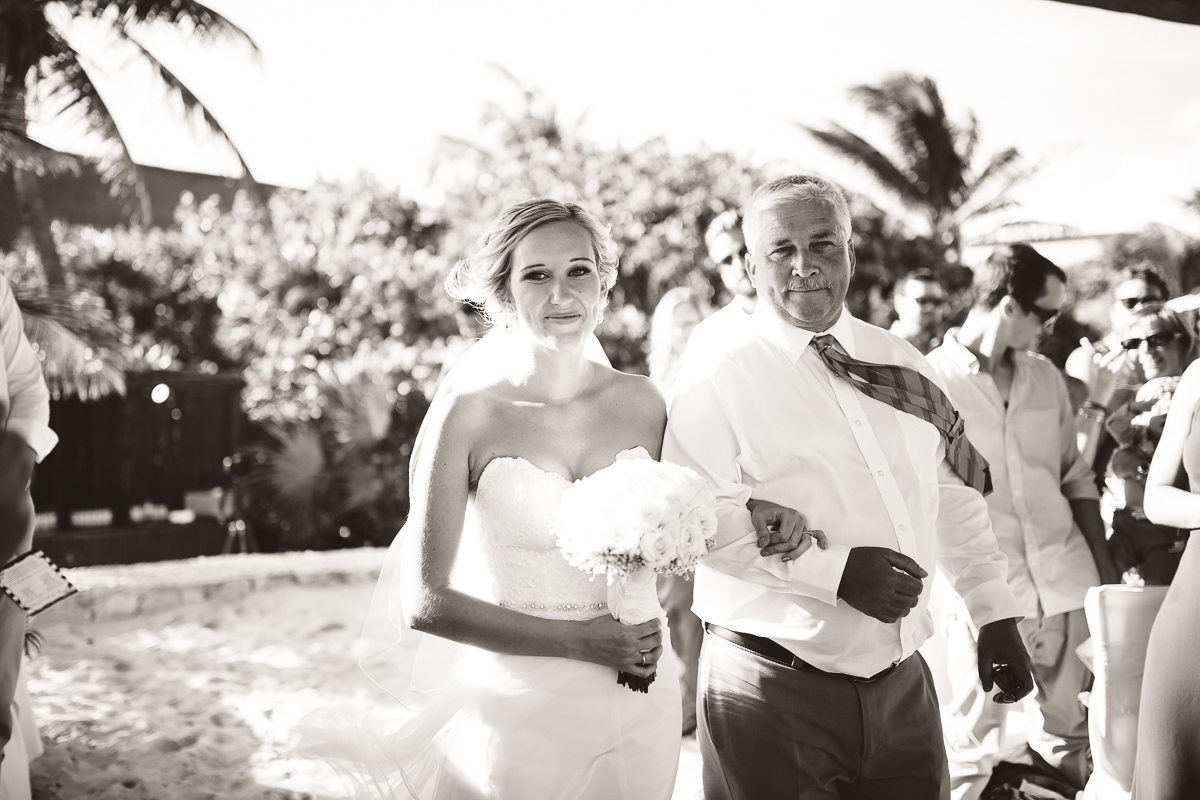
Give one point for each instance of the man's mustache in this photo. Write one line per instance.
(808, 284)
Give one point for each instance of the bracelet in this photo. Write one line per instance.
(1091, 414)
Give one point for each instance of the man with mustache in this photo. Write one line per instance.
(810, 683)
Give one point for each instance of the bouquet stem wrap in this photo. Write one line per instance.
(633, 600)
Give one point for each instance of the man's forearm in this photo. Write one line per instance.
(16, 469)
(1087, 517)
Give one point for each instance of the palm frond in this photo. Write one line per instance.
(1004, 160)
(69, 84)
(20, 152)
(922, 133)
(1003, 173)
(191, 104)
(77, 343)
(202, 21)
(294, 473)
(879, 165)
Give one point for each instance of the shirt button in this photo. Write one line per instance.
(879, 472)
(903, 528)
(858, 422)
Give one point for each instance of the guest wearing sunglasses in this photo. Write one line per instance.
(1105, 365)
(1044, 511)
(1161, 344)
(1134, 288)
(920, 303)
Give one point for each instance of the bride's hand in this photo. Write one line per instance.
(613, 644)
(783, 530)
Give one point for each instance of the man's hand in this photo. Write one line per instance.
(782, 530)
(1004, 662)
(881, 583)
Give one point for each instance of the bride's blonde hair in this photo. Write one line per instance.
(482, 279)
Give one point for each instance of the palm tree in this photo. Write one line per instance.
(933, 170)
(77, 342)
(35, 54)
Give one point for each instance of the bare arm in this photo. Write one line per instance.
(1164, 503)
(439, 493)
(1107, 371)
(16, 505)
(1079, 487)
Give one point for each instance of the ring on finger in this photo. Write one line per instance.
(643, 652)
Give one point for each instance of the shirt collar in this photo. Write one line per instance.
(958, 354)
(794, 341)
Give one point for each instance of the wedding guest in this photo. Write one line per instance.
(1162, 344)
(727, 248)
(678, 312)
(675, 317)
(1134, 288)
(1168, 749)
(1045, 512)
(1104, 365)
(920, 303)
(25, 439)
(810, 680)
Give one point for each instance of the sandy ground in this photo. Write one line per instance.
(201, 700)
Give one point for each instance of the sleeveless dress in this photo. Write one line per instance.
(525, 727)
(1168, 752)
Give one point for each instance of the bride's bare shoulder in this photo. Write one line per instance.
(637, 393)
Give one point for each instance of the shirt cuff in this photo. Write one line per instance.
(36, 434)
(992, 601)
(818, 573)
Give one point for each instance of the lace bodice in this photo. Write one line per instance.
(515, 502)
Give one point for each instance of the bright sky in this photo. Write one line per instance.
(1108, 103)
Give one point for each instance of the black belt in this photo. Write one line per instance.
(774, 651)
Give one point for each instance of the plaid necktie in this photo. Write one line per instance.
(911, 392)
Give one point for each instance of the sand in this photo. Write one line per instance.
(201, 700)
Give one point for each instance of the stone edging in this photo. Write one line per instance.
(129, 590)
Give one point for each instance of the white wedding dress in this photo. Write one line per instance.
(519, 727)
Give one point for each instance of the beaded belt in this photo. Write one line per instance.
(553, 606)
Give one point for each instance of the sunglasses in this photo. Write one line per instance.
(1133, 302)
(1154, 340)
(931, 302)
(1048, 316)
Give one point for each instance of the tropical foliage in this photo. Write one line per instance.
(933, 167)
(658, 202)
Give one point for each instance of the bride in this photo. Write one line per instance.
(531, 707)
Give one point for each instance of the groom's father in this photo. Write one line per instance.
(810, 683)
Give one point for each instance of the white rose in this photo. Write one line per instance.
(706, 517)
(691, 540)
(676, 493)
(658, 549)
(653, 512)
(622, 538)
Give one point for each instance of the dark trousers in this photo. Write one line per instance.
(1155, 550)
(771, 732)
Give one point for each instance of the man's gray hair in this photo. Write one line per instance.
(795, 188)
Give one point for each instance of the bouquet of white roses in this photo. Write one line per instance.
(629, 521)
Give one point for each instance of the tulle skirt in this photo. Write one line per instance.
(514, 728)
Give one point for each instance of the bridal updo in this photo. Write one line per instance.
(482, 279)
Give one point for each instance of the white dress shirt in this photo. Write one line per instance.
(1036, 471)
(24, 400)
(765, 418)
(711, 333)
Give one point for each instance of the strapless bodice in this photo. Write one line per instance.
(515, 502)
